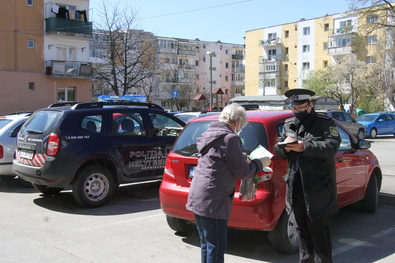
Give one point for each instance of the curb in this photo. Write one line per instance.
(386, 199)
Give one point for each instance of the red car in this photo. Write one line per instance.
(358, 176)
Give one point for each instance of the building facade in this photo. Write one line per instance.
(279, 57)
(44, 54)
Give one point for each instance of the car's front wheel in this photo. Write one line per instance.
(361, 134)
(47, 190)
(284, 238)
(369, 203)
(373, 133)
(93, 186)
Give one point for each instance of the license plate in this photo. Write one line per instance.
(26, 155)
(191, 171)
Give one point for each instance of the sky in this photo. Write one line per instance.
(224, 20)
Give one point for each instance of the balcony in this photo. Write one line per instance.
(270, 42)
(339, 51)
(54, 25)
(186, 66)
(237, 57)
(68, 69)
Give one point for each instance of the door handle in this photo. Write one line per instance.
(339, 159)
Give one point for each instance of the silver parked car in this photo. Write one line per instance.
(351, 124)
(9, 128)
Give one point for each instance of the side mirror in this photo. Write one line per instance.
(363, 144)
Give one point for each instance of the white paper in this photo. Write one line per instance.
(260, 152)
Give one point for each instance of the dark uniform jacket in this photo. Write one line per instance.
(321, 141)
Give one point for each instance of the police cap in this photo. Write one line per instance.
(299, 96)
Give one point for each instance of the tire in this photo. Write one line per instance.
(361, 134)
(373, 133)
(370, 201)
(177, 224)
(47, 190)
(284, 238)
(25, 183)
(93, 186)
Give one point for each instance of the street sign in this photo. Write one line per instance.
(174, 93)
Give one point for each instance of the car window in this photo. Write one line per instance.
(366, 118)
(16, 130)
(391, 117)
(186, 117)
(347, 117)
(345, 144)
(251, 136)
(92, 123)
(338, 116)
(4, 122)
(129, 123)
(164, 125)
(41, 121)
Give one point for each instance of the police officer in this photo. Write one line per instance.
(310, 141)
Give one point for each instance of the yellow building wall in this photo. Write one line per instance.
(321, 37)
(253, 51)
(290, 60)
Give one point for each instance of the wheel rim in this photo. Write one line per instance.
(96, 187)
(373, 133)
(361, 135)
(291, 229)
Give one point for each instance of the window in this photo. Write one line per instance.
(370, 60)
(286, 51)
(326, 27)
(197, 62)
(214, 68)
(197, 76)
(272, 36)
(372, 19)
(306, 31)
(92, 123)
(226, 78)
(325, 63)
(326, 45)
(226, 65)
(306, 48)
(286, 67)
(29, 3)
(226, 51)
(306, 65)
(372, 39)
(286, 84)
(66, 94)
(286, 33)
(31, 86)
(30, 43)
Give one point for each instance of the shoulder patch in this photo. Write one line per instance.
(333, 131)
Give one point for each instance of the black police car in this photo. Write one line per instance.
(94, 147)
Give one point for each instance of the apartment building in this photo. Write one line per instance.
(44, 53)
(279, 57)
(186, 72)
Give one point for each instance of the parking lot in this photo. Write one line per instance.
(132, 228)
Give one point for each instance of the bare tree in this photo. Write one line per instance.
(125, 54)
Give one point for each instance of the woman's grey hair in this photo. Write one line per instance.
(234, 112)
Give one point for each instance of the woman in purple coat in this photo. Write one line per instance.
(221, 162)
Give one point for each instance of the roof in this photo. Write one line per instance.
(259, 98)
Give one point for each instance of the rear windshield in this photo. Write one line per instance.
(41, 121)
(252, 135)
(4, 122)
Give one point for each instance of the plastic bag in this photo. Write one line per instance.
(248, 189)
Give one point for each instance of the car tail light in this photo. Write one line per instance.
(266, 174)
(1, 151)
(53, 144)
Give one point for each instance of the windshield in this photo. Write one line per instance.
(41, 121)
(366, 118)
(252, 135)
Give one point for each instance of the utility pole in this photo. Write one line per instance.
(211, 54)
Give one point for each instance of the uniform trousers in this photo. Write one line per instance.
(313, 234)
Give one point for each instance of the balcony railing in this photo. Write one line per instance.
(269, 66)
(337, 51)
(186, 66)
(270, 42)
(237, 57)
(68, 69)
(54, 24)
(263, 59)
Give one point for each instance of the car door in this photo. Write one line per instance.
(351, 123)
(382, 125)
(351, 169)
(391, 121)
(134, 148)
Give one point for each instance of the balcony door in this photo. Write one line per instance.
(65, 53)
